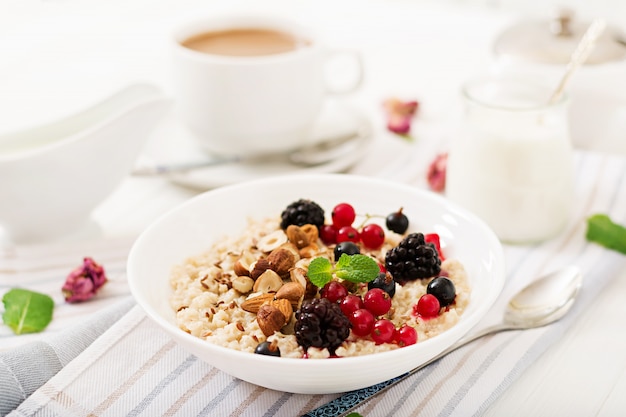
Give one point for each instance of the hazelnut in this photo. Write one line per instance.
(292, 292)
(271, 241)
(268, 281)
(270, 319)
(281, 261)
(311, 231)
(242, 284)
(258, 267)
(297, 236)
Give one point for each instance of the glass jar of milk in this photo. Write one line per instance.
(511, 164)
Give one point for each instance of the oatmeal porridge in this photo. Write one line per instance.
(256, 290)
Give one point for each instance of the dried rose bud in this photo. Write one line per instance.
(400, 115)
(436, 175)
(84, 282)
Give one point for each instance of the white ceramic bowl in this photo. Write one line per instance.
(190, 229)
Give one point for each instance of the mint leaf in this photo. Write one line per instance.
(27, 311)
(602, 230)
(320, 272)
(356, 268)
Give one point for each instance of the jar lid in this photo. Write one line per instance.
(553, 41)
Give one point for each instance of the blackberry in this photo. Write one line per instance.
(321, 324)
(413, 259)
(302, 212)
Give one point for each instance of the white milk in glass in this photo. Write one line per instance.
(512, 162)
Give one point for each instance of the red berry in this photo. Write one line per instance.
(328, 234)
(427, 307)
(377, 301)
(350, 304)
(434, 239)
(348, 234)
(383, 331)
(334, 291)
(343, 215)
(362, 322)
(372, 236)
(405, 336)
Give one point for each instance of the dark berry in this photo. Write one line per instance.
(372, 236)
(385, 282)
(343, 215)
(443, 289)
(349, 248)
(267, 348)
(302, 212)
(321, 324)
(397, 222)
(412, 259)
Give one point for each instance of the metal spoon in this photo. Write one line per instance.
(542, 302)
(319, 153)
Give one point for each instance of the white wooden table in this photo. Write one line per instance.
(58, 56)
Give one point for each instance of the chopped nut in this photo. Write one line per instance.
(297, 236)
(291, 291)
(258, 267)
(311, 232)
(270, 319)
(298, 275)
(268, 281)
(243, 284)
(284, 306)
(271, 241)
(253, 304)
(243, 265)
(281, 261)
(310, 251)
(240, 326)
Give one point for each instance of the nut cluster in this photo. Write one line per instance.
(275, 285)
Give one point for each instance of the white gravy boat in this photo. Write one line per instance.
(53, 176)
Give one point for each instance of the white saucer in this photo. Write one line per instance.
(336, 120)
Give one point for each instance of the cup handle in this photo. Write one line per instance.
(355, 82)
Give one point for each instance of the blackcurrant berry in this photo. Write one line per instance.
(267, 348)
(397, 222)
(385, 282)
(347, 247)
(443, 289)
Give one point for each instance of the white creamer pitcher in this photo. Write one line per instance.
(512, 161)
(53, 176)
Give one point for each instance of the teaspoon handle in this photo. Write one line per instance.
(350, 400)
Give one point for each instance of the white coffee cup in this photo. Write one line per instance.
(255, 102)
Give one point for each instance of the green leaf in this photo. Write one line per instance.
(320, 272)
(357, 268)
(26, 311)
(602, 230)
(354, 415)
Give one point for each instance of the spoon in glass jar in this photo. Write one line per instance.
(542, 302)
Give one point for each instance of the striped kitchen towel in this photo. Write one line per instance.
(134, 369)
